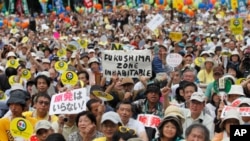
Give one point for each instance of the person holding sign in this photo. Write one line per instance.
(232, 117)
(159, 61)
(17, 104)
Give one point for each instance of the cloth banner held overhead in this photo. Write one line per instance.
(127, 63)
(70, 102)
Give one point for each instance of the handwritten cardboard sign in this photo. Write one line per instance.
(127, 63)
(70, 102)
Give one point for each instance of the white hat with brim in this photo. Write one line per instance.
(231, 114)
(209, 59)
(236, 90)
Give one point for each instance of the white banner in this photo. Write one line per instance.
(126, 63)
(70, 102)
(155, 22)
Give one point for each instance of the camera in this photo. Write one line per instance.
(65, 119)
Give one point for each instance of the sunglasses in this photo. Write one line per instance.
(44, 102)
(124, 129)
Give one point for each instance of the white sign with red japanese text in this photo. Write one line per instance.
(70, 102)
(244, 111)
(149, 120)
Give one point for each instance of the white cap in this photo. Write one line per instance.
(42, 124)
(198, 96)
(91, 50)
(237, 90)
(45, 60)
(111, 116)
(11, 54)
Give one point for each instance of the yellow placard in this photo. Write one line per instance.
(25, 40)
(69, 78)
(239, 81)
(2, 95)
(61, 66)
(239, 37)
(103, 96)
(12, 63)
(83, 43)
(175, 36)
(26, 74)
(199, 61)
(208, 40)
(61, 52)
(12, 80)
(236, 26)
(20, 127)
(234, 4)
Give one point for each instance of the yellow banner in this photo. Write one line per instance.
(175, 36)
(236, 26)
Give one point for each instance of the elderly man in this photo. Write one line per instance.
(196, 114)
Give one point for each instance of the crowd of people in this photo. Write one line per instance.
(184, 98)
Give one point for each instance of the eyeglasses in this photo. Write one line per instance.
(124, 129)
(44, 102)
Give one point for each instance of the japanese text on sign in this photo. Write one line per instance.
(69, 102)
(244, 111)
(149, 120)
(127, 63)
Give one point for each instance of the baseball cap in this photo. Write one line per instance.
(42, 124)
(111, 116)
(198, 96)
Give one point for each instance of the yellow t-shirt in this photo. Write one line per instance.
(5, 134)
(100, 139)
(205, 77)
(50, 118)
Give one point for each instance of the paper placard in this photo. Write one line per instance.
(175, 36)
(21, 128)
(244, 111)
(70, 102)
(149, 120)
(155, 22)
(127, 63)
(236, 26)
(174, 59)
